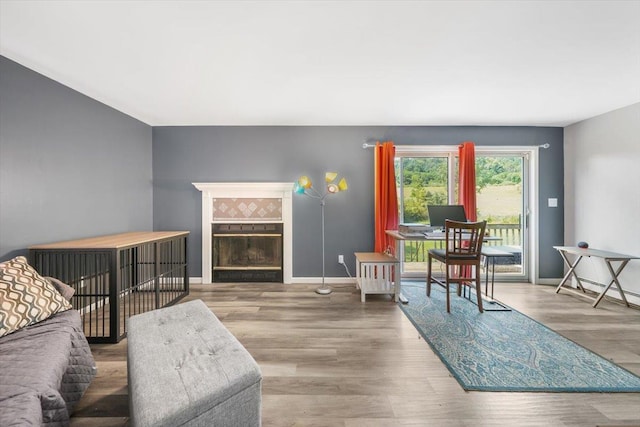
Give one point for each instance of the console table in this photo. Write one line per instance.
(117, 276)
(608, 258)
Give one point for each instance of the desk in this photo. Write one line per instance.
(608, 258)
(487, 252)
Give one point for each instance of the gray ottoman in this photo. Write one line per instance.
(186, 369)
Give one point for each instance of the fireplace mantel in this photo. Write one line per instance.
(257, 190)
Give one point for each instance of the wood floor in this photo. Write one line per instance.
(334, 361)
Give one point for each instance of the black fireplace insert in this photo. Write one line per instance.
(247, 252)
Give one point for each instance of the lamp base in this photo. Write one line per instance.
(324, 290)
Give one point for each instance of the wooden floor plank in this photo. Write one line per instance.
(334, 361)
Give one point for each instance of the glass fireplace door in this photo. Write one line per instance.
(247, 253)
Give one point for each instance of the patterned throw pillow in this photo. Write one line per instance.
(25, 296)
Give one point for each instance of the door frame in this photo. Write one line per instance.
(530, 234)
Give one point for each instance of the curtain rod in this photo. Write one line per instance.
(366, 145)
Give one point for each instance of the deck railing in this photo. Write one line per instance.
(509, 234)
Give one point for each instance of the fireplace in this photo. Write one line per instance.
(247, 252)
(243, 204)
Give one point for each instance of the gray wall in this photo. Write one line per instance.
(70, 167)
(182, 155)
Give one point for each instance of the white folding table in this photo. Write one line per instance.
(608, 257)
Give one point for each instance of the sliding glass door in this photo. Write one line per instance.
(501, 201)
(429, 176)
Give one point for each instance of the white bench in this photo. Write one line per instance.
(186, 369)
(377, 274)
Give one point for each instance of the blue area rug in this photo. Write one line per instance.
(506, 350)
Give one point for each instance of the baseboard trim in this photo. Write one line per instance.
(547, 281)
(613, 294)
(301, 280)
(318, 280)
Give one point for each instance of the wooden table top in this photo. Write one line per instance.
(112, 241)
(374, 257)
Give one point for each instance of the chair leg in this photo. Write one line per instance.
(447, 289)
(429, 274)
(479, 289)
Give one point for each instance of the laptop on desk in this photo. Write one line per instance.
(439, 213)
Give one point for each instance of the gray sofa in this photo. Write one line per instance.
(45, 360)
(45, 369)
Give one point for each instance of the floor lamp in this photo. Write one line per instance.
(304, 186)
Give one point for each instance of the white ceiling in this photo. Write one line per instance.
(537, 63)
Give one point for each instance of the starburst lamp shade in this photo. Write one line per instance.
(305, 186)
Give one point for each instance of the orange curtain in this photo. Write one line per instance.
(467, 179)
(386, 198)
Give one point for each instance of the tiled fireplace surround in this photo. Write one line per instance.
(242, 202)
